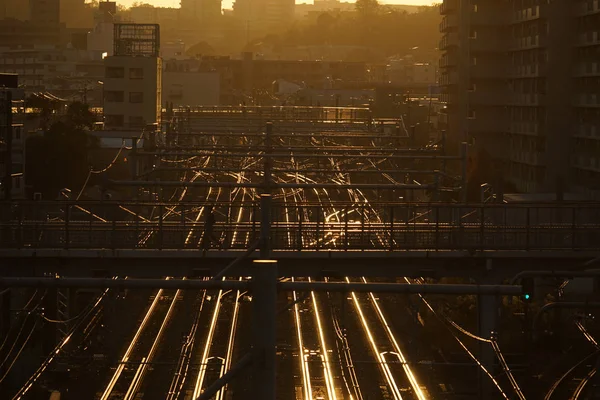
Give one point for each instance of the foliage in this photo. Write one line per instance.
(201, 48)
(384, 31)
(59, 157)
(367, 8)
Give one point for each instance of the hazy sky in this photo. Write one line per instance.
(227, 3)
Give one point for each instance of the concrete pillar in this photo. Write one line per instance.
(264, 292)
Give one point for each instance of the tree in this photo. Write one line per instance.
(367, 8)
(59, 157)
(80, 115)
(201, 48)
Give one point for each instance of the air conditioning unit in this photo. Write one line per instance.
(37, 196)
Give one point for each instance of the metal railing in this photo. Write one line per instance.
(301, 227)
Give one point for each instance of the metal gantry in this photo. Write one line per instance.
(310, 181)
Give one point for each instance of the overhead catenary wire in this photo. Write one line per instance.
(91, 171)
(57, 350)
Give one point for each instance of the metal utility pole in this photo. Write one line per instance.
(264, 285)
(6, 129)
(265, 198)
(464, 180)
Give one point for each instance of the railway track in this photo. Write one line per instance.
(185, 340)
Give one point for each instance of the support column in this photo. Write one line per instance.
(488, 321)
(264, 285)
(265, 226)
(464, 165)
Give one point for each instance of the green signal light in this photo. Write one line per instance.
(527, 297)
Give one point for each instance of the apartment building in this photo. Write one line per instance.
(521, 82)
(261, 16)
(132, 91)
(202, 10)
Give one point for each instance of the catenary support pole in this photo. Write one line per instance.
(264, 285)
(265, 226)
(464, 180)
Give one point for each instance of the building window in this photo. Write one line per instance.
(136, 97)
(114, 96)
(136, 73)
(115, 72)
(114, 120)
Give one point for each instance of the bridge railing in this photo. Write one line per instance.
(300, 227)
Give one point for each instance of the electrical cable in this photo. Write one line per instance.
(24, 308)
(16, 357)
(58, 348)
(14, 343)
(109, 166)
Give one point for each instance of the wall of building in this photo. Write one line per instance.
(44, 12)
(522, 84)
(132, 91)
(191, 88)
(16, 9)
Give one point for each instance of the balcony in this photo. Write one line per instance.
(587, 68)
(448, 60)
(528, 70)
(449, 78)
(528, 42)
(526, 14)
(587, 162)
(587, 131)
(527, 99)
(589, 38)
(527, 157)
(588, 100)
(584, 7)
(449, 40)
(448, 7)
(449, 22)
(525, 128)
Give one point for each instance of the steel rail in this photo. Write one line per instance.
(560, 380)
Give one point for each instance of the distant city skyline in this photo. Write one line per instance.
(228, 3)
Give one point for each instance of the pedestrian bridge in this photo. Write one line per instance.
(335, 227)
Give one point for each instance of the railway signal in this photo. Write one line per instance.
(528, 286)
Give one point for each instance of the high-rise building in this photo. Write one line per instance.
(201, 10)
(522, 84)
(74, 14)
(15, 9)
(44, 12)
(261, 16)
